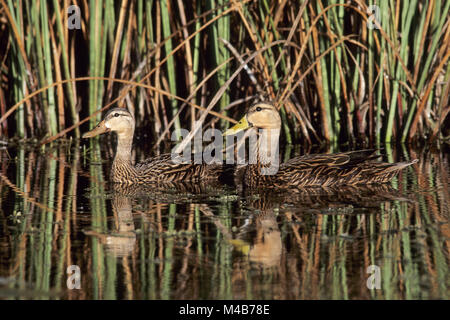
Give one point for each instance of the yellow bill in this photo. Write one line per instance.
(99, 129)
(241, 125)
(241, 245)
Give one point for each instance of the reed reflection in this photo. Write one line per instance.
(213, 242)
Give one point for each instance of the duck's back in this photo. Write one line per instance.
(325, 170)
(165, 168)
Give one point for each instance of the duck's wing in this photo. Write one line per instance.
(170, 168)
(157, 163)
(347, 168)
(342, 159)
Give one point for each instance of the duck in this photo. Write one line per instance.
(165, 168)
(351, 168)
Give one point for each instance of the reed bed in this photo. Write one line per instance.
(338, 71)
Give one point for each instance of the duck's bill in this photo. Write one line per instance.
(241, 125)
(99, 129)
(241, 245)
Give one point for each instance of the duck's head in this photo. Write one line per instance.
(262, 115)
(118, 120)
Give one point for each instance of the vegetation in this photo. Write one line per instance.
(174, 62)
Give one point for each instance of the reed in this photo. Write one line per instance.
(340, 73)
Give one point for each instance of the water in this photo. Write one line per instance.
(211, 242)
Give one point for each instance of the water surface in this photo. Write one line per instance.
(213, 242)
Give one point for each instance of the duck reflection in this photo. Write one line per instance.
(262, 245)
(259, 239)
(121, 240)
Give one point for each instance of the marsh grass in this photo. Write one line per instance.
(333, 78)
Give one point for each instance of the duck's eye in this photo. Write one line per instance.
(258, 109)
(116, 114)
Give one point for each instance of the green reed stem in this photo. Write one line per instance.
(165, 20)
(65, 61)
(371, 84)
(48, 65)
(18, 71)
(95, 53)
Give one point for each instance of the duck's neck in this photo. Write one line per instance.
(122, 167)
(264, 153)
(123, 149)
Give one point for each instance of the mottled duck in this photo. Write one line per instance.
(316, 170)
(159, 169)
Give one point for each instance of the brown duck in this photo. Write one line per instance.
(159, 169)
(317, 170)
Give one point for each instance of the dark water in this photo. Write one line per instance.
(212, 242)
